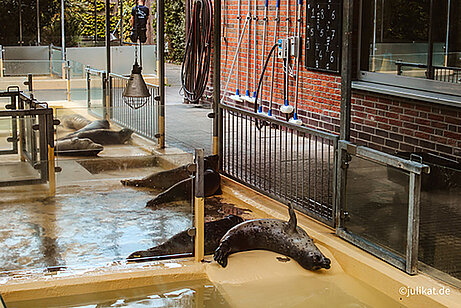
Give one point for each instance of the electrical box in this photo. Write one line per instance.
(283, 52)
(295, 46)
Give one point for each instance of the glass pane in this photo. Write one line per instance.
(377, 203)
(396, 36)
(440, 223)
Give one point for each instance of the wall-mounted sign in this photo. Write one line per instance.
(323, 35)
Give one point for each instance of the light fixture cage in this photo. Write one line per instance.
(136, 94)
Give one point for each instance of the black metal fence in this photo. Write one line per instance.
(285, 161)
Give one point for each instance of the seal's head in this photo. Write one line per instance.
(125, 134)
(140, 256)
(212, 162)
(315, 260)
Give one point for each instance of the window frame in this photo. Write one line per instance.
(431, 86)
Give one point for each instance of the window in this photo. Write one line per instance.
(412, 43)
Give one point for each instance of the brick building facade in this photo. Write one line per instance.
(389, 123)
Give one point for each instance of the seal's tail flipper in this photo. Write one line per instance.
(293, 221)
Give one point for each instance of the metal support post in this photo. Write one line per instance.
(121, 22)
(63, 39)
(68, 79)
(346, 71)
(88, 87)
(216, 76)
(161, 69)
(108, 37)
(105, 96)
(199, 206)
(1, 61)
(411, 264)
(20, 23)
(38, 23)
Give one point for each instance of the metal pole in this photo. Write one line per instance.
(121, 22)
(63, 41)
(217, 75)
(95, 22)
(346, 71)
(38, 23)
(108, 37)
(161, 68)
(1, 61)
(107, 75)
(20, 23)
(430, 47)
(199, 202)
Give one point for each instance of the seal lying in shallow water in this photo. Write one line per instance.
(75, 121)
(107, 136)
(167, 178)
(274, 235)
(183, 242)
(183, 189)
(76, 146)
(98, 124)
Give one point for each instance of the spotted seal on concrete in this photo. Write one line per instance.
(78, 147)
(107, 136)
(183, 189)
(274, 235)
(98, 124)
(168, 178)
(75, 121)
(183, 242)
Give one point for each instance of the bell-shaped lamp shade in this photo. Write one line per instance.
(136, 87)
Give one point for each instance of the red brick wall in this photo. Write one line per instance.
(385, 123)
(393, 124)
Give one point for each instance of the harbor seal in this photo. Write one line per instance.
(107, 136)
(167, 178)
(78, 147)
(183, 189)
(274, 235)
(98, 124)
(183, 242)
(75, 121)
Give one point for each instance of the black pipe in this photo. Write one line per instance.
(108, 37)
(430, 48)
(217, 122)
(161, 67)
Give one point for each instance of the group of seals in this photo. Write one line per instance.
(183, 241)
(274, 235)
(177, 183)
(89, 137)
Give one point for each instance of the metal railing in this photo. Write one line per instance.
(32, 135)
(287, 162)
(143, 121)
(439, 73)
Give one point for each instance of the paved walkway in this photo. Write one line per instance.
(187, 125)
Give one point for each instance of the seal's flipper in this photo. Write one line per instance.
(293, 221)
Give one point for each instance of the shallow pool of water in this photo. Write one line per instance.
(200, 293)
(85, 225)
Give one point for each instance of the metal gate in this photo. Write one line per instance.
(380, 199)
(287, 162)
(31, 135)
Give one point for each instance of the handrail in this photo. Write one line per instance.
(273, 120)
